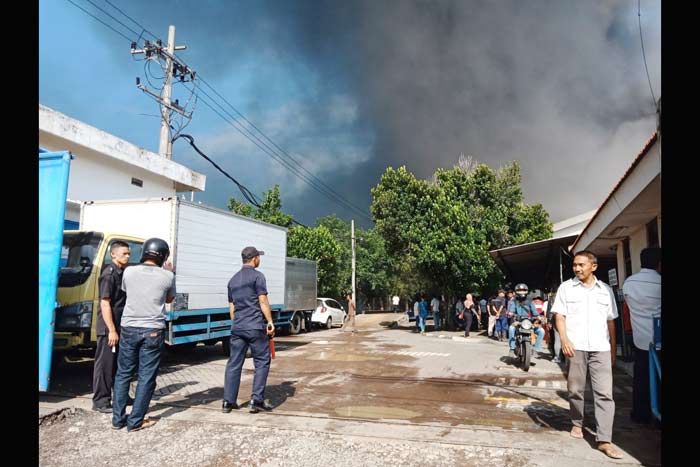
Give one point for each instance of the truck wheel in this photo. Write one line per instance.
(295, 325)
(329, 323)
(226, 346)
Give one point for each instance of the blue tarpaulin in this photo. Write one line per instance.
(53, 189)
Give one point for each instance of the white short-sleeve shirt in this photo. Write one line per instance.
(643, 296)
(587, 314)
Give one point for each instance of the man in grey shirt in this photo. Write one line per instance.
(149, 286)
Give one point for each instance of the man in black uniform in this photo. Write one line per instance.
(112, 300)
(248, 305)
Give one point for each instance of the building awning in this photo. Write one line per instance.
(537, 264)
(634, 201)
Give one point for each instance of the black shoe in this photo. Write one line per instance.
(226, 407)
(256, 406)
(103, 409)
(117, 427)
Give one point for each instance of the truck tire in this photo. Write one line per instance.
(226, 347)
(527, 354)
(329, 323)
(295, 324)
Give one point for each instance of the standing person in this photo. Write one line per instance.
(416, 311)
(423, 312)
(551, 317)
(249, 310)
(510, 297)
(351, 314)
(112, 301)
(493, 316)
(469, 310)
(459, 312)
(541, 307)
(435, 307)
(586, 312)
(643, 296)
(148, 286)
(498, 306)
(395, 303)
(483, 310)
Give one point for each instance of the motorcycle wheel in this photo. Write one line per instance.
(527, 354)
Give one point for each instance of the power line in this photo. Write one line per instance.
(319, 185)
(98, 19)
(639, 17)
(115, 19)
(270, 152)
(320, 182)
(132, 19)
(247, 194)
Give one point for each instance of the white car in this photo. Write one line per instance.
(328, 313)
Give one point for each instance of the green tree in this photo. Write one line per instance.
(446, 228)
(318, 244)
(270, 209)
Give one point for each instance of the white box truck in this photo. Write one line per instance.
(205, 249)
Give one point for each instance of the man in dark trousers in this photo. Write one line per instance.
(643, 296)
(112, 301)
(148, 286)
(251, 326)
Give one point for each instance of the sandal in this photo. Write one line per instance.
(147, 423)
(576, 432)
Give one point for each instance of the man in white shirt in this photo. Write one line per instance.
(395, 302)
(586, 312)
(643, 296)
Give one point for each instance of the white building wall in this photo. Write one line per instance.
(104, 178)
(638, 241)
(620, 251)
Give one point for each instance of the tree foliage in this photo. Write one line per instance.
(447, 227)
(270, 209)
(318, 244)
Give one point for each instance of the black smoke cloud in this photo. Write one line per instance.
(557, 85)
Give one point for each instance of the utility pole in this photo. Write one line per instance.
(166, 146)
(174, 68)
(352, 235)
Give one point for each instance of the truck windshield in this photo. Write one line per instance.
(77, 256)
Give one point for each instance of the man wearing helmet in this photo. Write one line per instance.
(148, 286)
(521, 307)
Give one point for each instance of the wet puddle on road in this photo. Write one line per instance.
(376, 412)
(335, 357)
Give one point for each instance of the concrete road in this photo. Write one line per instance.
(382, 386)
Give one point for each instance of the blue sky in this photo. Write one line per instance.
(350, 88)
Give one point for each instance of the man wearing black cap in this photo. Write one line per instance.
(250, 311)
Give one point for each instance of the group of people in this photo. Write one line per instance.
(131, 331)
(507, 308)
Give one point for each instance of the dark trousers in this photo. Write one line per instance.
(103, 373)
(140, 348)
(467, 322)
(257, 340)
(641, 396)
